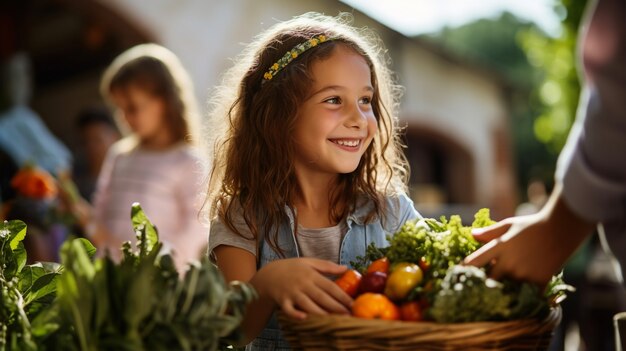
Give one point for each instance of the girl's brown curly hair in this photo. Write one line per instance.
(252, 122)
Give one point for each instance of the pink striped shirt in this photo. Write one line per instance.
(167, 184)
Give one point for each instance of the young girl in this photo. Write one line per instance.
(155, 166)
(307, 168)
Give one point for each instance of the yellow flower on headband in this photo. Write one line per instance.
(293, 54)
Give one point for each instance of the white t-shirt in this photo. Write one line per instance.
(322, 243)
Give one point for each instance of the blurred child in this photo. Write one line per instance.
(156, 165)
(308, 168)
(97, 131)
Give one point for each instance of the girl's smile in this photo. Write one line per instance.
(352, 145)
(336, 123)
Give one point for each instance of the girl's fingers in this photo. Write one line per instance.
(493, 231)
(334, 291)
(327, 267)
(483, 255)
(328, 302)
(305, 303)
(290, 310)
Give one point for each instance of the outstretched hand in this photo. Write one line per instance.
(531, 248)
(298, 286)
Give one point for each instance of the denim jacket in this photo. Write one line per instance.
(358, 236)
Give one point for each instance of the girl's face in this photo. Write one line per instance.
(143, 111)
(336, 123)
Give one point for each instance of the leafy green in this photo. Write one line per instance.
(467, 295)
(25, 290)
(141, 303)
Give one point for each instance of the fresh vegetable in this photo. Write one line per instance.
(411, 311)
(468, 295)
(445, 291)
(138, 304)
(402, 280)
(373, 282)
(375, 306)
(349, 282)
(380, 265)
(25, 290)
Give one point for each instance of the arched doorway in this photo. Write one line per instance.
(442, 178)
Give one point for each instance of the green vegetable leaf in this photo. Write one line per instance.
(146, 231)
(17, 232)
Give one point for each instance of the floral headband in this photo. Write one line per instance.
(292, 54)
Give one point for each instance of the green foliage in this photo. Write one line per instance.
(468, 295)
(491, 42)
(559, 89)
(25, 290)
(140, 303)
(540, 71)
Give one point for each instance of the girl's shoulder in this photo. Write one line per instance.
(396, 210)
(124, 146)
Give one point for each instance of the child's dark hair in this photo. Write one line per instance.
(253, 119)
(95, 115)
(157, 71)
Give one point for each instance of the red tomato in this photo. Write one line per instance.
(424, 264)
(380, 265)
(411, 311)
(349, 282)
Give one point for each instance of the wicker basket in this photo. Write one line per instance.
(349, 333)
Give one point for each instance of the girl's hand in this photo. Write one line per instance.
(298, 286)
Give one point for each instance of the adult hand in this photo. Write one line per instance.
(298, 286)
(531, 248)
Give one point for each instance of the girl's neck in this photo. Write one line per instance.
(159, 141)
(313, 199)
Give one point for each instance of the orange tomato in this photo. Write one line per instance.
(349, 282)
(375, 306)
(411, 311)
(380, 265)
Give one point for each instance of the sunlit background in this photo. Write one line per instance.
(491, 88)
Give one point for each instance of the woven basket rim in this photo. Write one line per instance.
(341, 329)
(552, 318)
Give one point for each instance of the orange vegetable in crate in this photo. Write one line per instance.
(349, 282)
(411, 311)
(402, 280)
(380, 265)
(375, 306)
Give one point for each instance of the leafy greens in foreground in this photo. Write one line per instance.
(140, 303)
